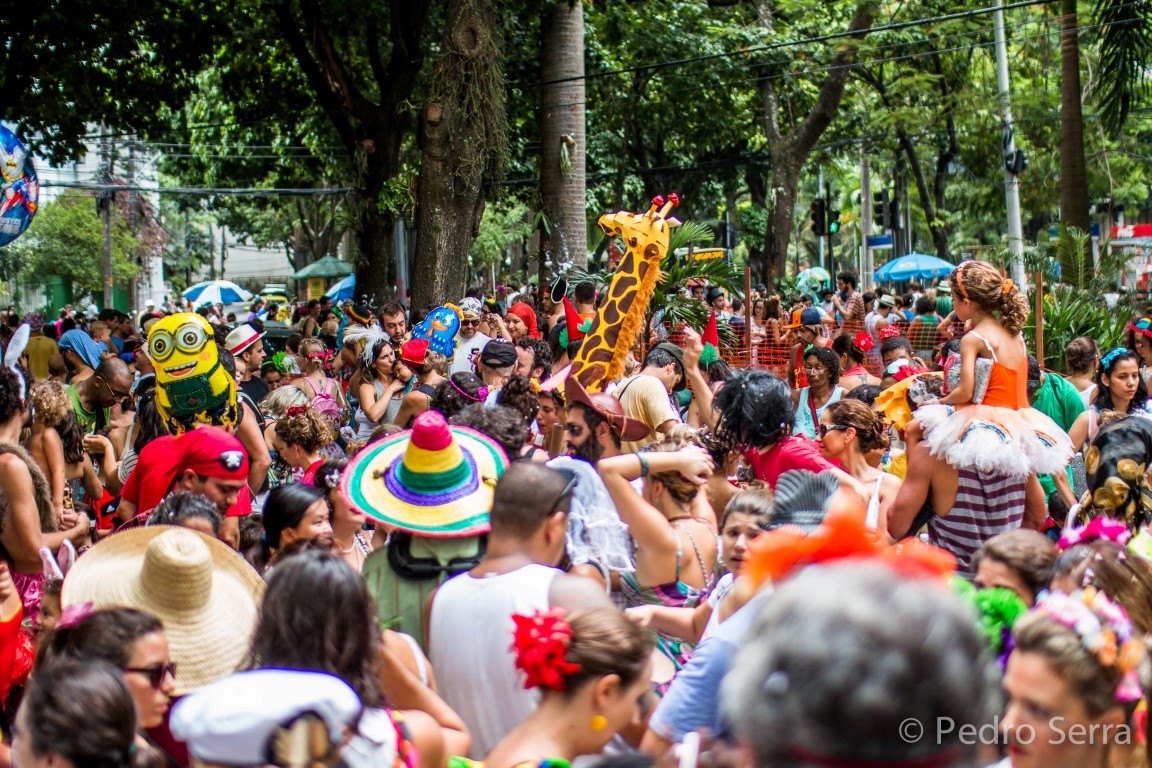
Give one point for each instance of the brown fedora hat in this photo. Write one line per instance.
(609, 407)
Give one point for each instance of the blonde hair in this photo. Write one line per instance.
(51, 402)
(277, 403)
(308, 430)
(681, 489)
(983, 285)
(311, 347)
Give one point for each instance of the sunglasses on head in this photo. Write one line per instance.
(824, 429)
(573, 481)
(155, 674)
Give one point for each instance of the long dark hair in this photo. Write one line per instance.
(149, 425)
(1103, 399)
(71, 438)
(83, 712)
(318, 615)
(283, 509)
(105, 635)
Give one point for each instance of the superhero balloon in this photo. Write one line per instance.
(19, 187)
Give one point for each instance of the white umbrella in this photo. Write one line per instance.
(216, 292)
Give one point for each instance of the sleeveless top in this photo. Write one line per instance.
(364, 427)
(469, 646)
(805, 423)
(674, 594)
(985, 506)
(872, 516)
(1003, 382)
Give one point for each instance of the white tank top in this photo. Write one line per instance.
(469, 643)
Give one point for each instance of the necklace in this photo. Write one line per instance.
(351, 548)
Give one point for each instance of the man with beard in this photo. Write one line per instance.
(596, 424)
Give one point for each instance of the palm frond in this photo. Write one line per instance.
(690, 233)
(1125, 39)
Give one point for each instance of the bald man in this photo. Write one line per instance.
(93, 398)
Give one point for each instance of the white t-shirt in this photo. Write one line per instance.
(462, 360)
(469, 638)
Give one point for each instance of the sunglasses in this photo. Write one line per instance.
(155, 674)
(824, 429)
(469, 322)
(573, 480)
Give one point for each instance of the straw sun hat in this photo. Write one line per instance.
(204, 593)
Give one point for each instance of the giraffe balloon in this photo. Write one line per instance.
(606, 344)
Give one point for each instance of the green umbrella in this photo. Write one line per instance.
(329, 266)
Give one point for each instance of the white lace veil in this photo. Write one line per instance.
(595, 532)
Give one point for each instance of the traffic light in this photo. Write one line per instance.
(833, 222)
(819, 217)
(880, 210)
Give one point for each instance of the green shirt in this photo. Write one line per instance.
(1058, 400)
(88, 419)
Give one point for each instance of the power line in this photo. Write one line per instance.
(791, 43)
(203, 191)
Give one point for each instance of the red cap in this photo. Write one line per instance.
(414, 351)
(207, 451)
(572, 320)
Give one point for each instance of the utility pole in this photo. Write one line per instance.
(1014, 165)
(223, 249)
(865, 220)
(105, 201)
(820, 235)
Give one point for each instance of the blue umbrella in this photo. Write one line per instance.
(216, 292)
(343, 290)
(814, 274)
(912, 266)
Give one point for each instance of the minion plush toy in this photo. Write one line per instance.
(440, 328)
(191, 385)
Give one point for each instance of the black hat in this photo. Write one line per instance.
(801, 499)
(498, 353)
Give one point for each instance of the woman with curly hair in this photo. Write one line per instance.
(457, 392)
(301, 437)
(822, 369)
(57, 445)
(675, 551)
(520, 394)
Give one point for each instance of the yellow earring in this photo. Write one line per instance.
(599, 723)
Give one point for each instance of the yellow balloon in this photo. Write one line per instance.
(192, 387)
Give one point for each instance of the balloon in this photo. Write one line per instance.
(19, 187)
(192, 385)
(440, 328)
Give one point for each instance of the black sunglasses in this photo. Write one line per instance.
(824, 429)
(155, 674)
(573, 481)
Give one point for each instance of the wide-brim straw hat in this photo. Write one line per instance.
(432, 480)
(206, 595)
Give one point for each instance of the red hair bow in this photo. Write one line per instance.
(540, 642)
(864, 342)
(296, 410)
(889, 332)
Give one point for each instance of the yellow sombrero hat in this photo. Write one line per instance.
(432, 480)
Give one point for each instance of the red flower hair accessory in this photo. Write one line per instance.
(889, 332)
(296, 410)
(540, 642)
(864, 341)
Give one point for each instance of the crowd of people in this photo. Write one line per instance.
(866, 530)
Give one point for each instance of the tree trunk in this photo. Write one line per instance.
(789, 151)
(376, 268)
(562, 133)
(1073, 172)
(462, 135)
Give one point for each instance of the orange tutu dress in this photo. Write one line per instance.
(999, 432)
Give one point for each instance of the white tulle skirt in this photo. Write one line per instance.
(995, 440)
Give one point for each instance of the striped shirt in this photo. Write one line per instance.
(986, 505)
